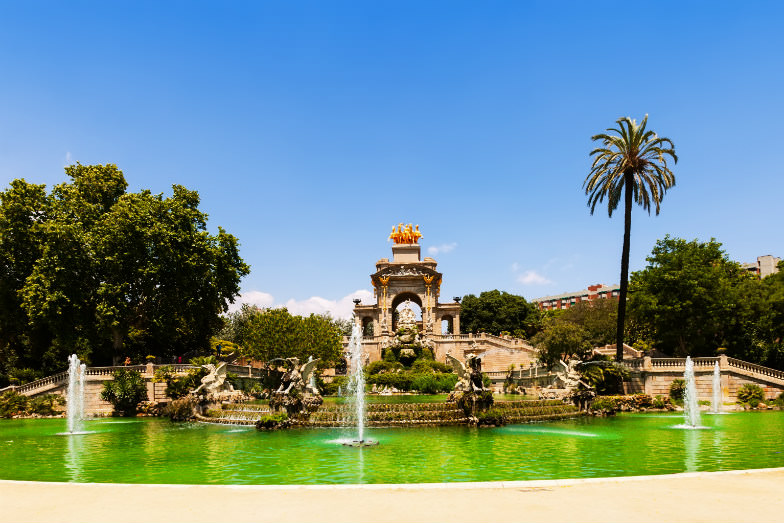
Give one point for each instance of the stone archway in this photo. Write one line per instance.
(447, 324)
(367, 326)
(400, 299)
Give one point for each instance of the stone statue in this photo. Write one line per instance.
(469, 376)
(469, 393)
(574, 388)
(214, 382)
(570, 377)
(297, 391)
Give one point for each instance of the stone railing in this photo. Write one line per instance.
(62, 377)
(55, 379)
(756, 369)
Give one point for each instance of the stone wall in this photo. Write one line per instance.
(498, 352)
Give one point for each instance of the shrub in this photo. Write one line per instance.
(660, 403)
(382, 366)
(677, 389)
(273, 421)
(491, 417)
(180, 386)
(12, 403)
(606, 377)
(45, 405)
(446, 382)
(640, 401)
(204, 360)
(180, 409)
(605, 404)
(427, 354)
(751, 394)
(125, 391)
(779, 401)
(331, 389)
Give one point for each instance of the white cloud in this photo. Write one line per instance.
(340, 308)
(515, 267)
(257, 298)
(443, 248)
(68, 158)
(533, 278)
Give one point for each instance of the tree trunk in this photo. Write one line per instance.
(627, 226)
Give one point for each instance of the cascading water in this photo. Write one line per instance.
(75, 394)
(691, 409)
(716, 403)
(356, 385)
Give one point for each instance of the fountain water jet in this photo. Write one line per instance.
(691, 408)
(75, 394)
(716, 403)
(356, 386)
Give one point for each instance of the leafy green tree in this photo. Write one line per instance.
(631, 163)
(692, 299)
(598, 318)
(496, 311)
(265, 334)
(767, 332)
(92, 269)
(561, 340)
(23, 209)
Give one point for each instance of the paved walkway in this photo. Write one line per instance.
(738, 496)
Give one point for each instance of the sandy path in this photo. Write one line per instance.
(710, 496)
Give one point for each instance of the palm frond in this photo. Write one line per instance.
(630, 149)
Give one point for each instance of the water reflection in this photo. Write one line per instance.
(158, 451)
(691, 443)
(73, 458)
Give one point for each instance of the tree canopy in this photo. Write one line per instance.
(497, 311)
(265, 334)
(92, 269)
(561, 340)
(597, 317)
(692, 300)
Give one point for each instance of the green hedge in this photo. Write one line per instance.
(425, 382)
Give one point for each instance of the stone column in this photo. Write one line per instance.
(149, 373)
(647, 367)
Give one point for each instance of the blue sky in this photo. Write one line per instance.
(310, 128)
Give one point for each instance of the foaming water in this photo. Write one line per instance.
(716, 398)
(691, 407)
(75, 394)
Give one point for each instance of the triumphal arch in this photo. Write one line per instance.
(413, 282)
(407, 279)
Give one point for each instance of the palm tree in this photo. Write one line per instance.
(631, 162)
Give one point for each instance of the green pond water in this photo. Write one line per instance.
(150, 450)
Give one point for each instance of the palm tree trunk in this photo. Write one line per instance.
(627, 226)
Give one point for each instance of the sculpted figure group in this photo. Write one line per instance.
(469, 393)
(296, 392)
(407, 234)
